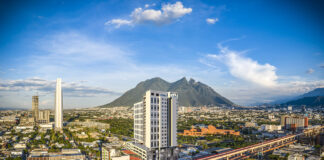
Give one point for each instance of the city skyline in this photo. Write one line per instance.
(249, 52)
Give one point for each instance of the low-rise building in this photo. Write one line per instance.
(110, 151)
(71, 154)
(210, 130)
(270, 128)
(20, 145)
(296, 156)
(251, 124)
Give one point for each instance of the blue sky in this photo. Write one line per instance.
(248, 51)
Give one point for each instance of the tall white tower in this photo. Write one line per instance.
(58, 105)
(155, 120)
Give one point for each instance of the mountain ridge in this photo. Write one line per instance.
(311, 98)
(308, 101)
(313, 93)
(191, 93)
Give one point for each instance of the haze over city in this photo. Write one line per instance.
(248, 51)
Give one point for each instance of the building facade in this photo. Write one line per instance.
(44, 116)
(155, 122)
(294, 122)
(58, 105)
(35, 108)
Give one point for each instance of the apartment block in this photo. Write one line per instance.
(155, 122)
(294, 122)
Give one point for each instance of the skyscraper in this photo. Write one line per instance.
(155, 125)
(58, 105)
(35, 108)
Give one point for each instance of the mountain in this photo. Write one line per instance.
(314, 93)
(191, 93)
(308, 101)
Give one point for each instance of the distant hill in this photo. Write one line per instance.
(314, 93)
(308, 101)
(191, 93)
(312, 98)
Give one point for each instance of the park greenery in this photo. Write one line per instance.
(120, 126)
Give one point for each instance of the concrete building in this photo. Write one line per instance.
(270, 128)
(44, 127)
(44, 116)
(294, 122)
(71, 154)
(111, 152)
(155, 123)
(35, 108)
(290, 108)
(58, 105)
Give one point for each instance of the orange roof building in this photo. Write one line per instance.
(210, 130)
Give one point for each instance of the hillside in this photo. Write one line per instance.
(308, 101)
(314, 93)
(191, 93)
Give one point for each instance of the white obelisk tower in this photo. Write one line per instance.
(58, 105)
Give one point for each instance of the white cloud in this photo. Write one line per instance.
(247, 93)
(246, 68)
(212, 20)
(149, 5)
(167, 14)
(84, 62)
(119, 22)
(310, 71)
(72, 89)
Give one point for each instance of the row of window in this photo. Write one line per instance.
(154, 136)
(154, 122)
(154, 115)
(154, 144)
(154, 129)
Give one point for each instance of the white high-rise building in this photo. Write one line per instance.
(58, 105)
(155, 124)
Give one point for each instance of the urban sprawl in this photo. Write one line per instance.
(158, 128)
